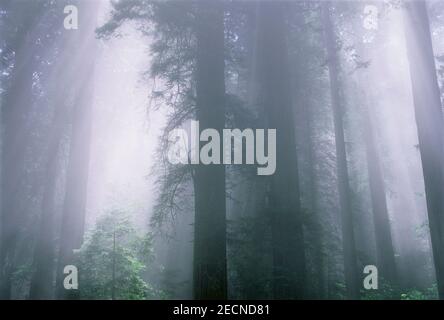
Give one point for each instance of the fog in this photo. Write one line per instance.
(91, 93)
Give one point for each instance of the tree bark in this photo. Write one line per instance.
(16, 104)
(66, 68)
(384, 243)
(73, 220)
(44, 252)
(348, 238)
(283, 198)
(428, 114)
(385, 253)
(315, 222)
(210, 270)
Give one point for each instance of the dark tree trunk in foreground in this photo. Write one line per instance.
(283, 205)
(428, 113)
(348, 238)
(210, 270)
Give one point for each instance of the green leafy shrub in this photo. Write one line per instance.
(389, 292)
(112, 259)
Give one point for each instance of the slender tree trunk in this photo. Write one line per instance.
(348, 238)
(428, 113)
(315, 223)
(210, 271)
(283, 191)
(113, 287)
(384, 244)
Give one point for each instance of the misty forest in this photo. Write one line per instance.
(92, 208)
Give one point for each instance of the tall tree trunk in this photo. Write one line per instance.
(314, 224)
(429, 121)
(385, 252)
(113, 277)
(73, 220)
(210, 271)
(384, 244)
(43, 262)
(17, 102)
(283, 204)
(42, 286)
(348, 238)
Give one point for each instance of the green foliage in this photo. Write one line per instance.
(384, 292)
(389, 292)
(114, 244)
(427, 294)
